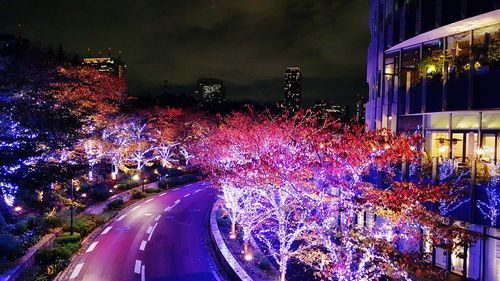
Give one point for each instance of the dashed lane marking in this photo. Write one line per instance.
(149, 200)
(143, 245)
(137, 266)
(121, 218)
(150, 228)
(187, 195)
(107, 229)
(157, 217)
(152, 231)
(76, 271)
(143, 273)
(135, 208)
(91, 247)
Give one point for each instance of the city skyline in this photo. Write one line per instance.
(247, 45)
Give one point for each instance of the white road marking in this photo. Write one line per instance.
(167, 209)
(91, 247)
(163, 194)
(149, 200)
(175, 189)
(137, 267)
(148, 214)
(135, 208)
(157, 217)
(187, 195)
(149, 229)
(152, 231)
(196, 191)
(143, 245)
(143, 273)
(121, 218)
(107, 230)
(177, 202)
(76, 271)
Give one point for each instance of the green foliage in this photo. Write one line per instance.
(66, 237)
(52, 221)
(99, 192)
(152, 190)
(137, 194)
(127, 185)
(116, 204)
(9, 246)
(83, 224)
(48, 256)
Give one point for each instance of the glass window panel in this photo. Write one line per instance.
(437, 144)
(465, 121)
(487, 151)
(491, 120)
(437, 121)
(457, 143)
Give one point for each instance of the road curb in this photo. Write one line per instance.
(229, 263)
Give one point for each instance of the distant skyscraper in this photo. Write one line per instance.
(361, 108)
(210, 92)
(107, 64)
(325, 109)
(293, 88)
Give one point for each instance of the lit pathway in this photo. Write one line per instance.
(162, 238)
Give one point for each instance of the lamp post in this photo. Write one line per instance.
(71, 207)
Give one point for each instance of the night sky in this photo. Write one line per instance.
(248, 44)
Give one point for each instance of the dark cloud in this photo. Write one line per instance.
(246, 43)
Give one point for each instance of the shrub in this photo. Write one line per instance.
(66, 237)
(152, 190)
(116, 204)
(164, 184)
(53, 221)
(122, 186)
(100, 192)
(72, 247)
(83, 224)
(9, 246)
(49, 255)
(137, 194)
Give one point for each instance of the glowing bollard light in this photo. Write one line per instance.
(248, 256)
(232, 235)
(18, 209)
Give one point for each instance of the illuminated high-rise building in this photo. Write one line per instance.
(107, 64)
(210, 92)
(292, 89)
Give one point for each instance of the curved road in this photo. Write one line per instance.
(162, 238)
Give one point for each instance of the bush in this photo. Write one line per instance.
(100, 192)
(137, 194)
(9, 246)
(164, 184)
(49, 255)
(116, 204)
(53, 221)
(83, 224)
(66, 237)
(152, 190)
(72, 247)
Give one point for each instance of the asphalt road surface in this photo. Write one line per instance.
(161, 238)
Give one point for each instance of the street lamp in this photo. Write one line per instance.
(137, 178)
(18, 209)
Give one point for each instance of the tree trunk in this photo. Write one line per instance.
(282, 276)
(233, 228)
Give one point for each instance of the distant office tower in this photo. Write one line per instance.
(107, 64)
(361, 109)
(327, 109)
(293, 88)
(210, 92)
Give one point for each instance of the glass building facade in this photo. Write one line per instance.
(434, 68)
